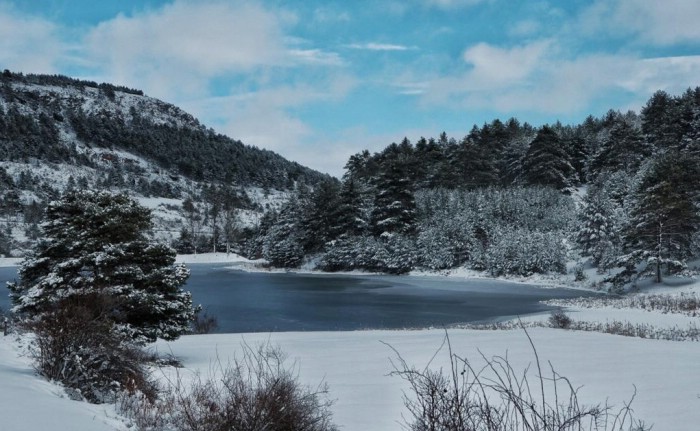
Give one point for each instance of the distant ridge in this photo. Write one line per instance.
(58, 119)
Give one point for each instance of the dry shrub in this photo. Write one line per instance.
(6, 322)
(204, 323)
(559, 319)
(497, 398)
(75, 344)
(255, 392)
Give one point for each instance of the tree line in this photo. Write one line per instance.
(509, 198)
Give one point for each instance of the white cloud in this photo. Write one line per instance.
(536, 78)
(175, 47)
(661, 23)
(316, 56)
(451, 4)
(524, 28)
(495, 67)
(411, 88)
(373, 46)
(329, 15)
(29, 44)
(174, 51)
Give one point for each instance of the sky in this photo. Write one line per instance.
(318, 81)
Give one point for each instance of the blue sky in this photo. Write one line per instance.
(317, 81)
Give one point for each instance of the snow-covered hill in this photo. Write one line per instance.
(58, 133)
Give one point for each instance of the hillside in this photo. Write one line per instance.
(57, 133)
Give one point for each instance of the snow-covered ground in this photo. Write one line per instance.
(29, 403)
(211, 258)
(356, 365)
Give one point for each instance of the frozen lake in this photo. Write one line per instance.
(273, 302)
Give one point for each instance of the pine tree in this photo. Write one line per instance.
(597, 235)
(394, 204)
(318, 223)
(96, 245)
(665, 216)
(475, 162)
(660, 121)
(547, 162)
(624, 148)
(283, 242)
(349, 218)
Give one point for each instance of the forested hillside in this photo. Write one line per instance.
(59, 133)
(55, 119)
(620, 192)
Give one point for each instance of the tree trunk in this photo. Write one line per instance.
(658, 254)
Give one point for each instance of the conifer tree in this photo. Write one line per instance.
(623, 149)
(350, 218)
(665, 215)
(597, 234)
(394, 203)
(547, 162)
(96, 245)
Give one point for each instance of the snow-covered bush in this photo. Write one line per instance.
(559, 319)
(401, 256)
(506, 231)
(444, 243)
(283, 252)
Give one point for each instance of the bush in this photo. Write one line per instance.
(204, 323)
(497, 398)
(254, 393)
(579, 273)
(6, 322)
(559, 319)
(76, 346)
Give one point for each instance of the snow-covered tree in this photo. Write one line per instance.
(546, 162)
(283, 242)
(97, 245)
(665, 215)
(525, 252)
(598, 235)
(394, 204)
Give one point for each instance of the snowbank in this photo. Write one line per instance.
(211, 258)
(9, 261)
(29, 403)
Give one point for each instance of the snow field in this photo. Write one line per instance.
(356, 366)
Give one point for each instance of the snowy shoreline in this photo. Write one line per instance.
(242, 264)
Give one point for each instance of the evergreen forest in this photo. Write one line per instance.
(620, 192)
